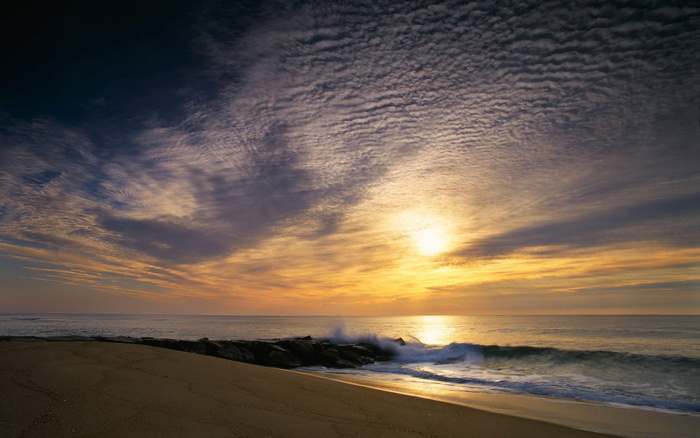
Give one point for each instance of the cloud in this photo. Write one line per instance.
(524, 126)
(602, 229)
(165, 240)
(46, 167)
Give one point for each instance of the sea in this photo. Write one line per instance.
(635, 361)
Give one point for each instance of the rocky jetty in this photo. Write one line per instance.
(287, 353)
(283, 353)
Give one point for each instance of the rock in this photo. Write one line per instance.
(306, 350)
(120, 339)
(162, 343)
(23, 338)
(356, 355)
(373, 348)
(330, 354)
(212, 347)
(191, 346)
(69, 339)
(282, 358)
(230, 351)
(288, 353)
(342, 356)
(174, 344)
(259, 349)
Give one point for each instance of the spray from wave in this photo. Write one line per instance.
(655, 381)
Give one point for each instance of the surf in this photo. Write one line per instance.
(628, 379)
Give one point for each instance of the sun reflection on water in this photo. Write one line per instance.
(435, 329)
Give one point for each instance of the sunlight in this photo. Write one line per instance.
(426, 232)
(430, 241)
(435, 329)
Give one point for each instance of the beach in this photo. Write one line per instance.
(105, 389)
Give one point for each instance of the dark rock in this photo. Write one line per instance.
(400, 341)
(123, 339)
(282, 358)
(174, 344)
(375, 349)
(162, 343)
(229, 350)
(344, 363)
(306, 351)
(288, 353)
(240, 354)
(69, 339)
(23, 338)
(342, 357)
(356, 355)
(262, 353)
(259, 349)
(192, 346)
(330, 353)
(212, 347)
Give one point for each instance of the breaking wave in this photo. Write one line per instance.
(654, 381)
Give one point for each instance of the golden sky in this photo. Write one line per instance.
(363, 158)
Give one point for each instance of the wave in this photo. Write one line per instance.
(553, 387)
(418, 352)
(655, 381)
(473, 353)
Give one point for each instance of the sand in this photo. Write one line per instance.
(585, 415)
(57, 389)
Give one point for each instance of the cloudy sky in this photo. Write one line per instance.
(350, 157)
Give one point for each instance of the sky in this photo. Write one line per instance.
(350, 157)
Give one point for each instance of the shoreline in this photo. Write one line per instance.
(110, 389)
(624, 421)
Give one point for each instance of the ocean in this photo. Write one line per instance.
(640, 361)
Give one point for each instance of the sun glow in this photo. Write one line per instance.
(435, 329)
(430, 241)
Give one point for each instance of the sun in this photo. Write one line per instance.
(430, 241)
(423, 232)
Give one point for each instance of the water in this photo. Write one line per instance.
(650, 362)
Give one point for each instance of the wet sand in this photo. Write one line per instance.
(52, 389)
(585, 415)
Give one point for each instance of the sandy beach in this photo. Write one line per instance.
(57, 389)
(600, 417)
